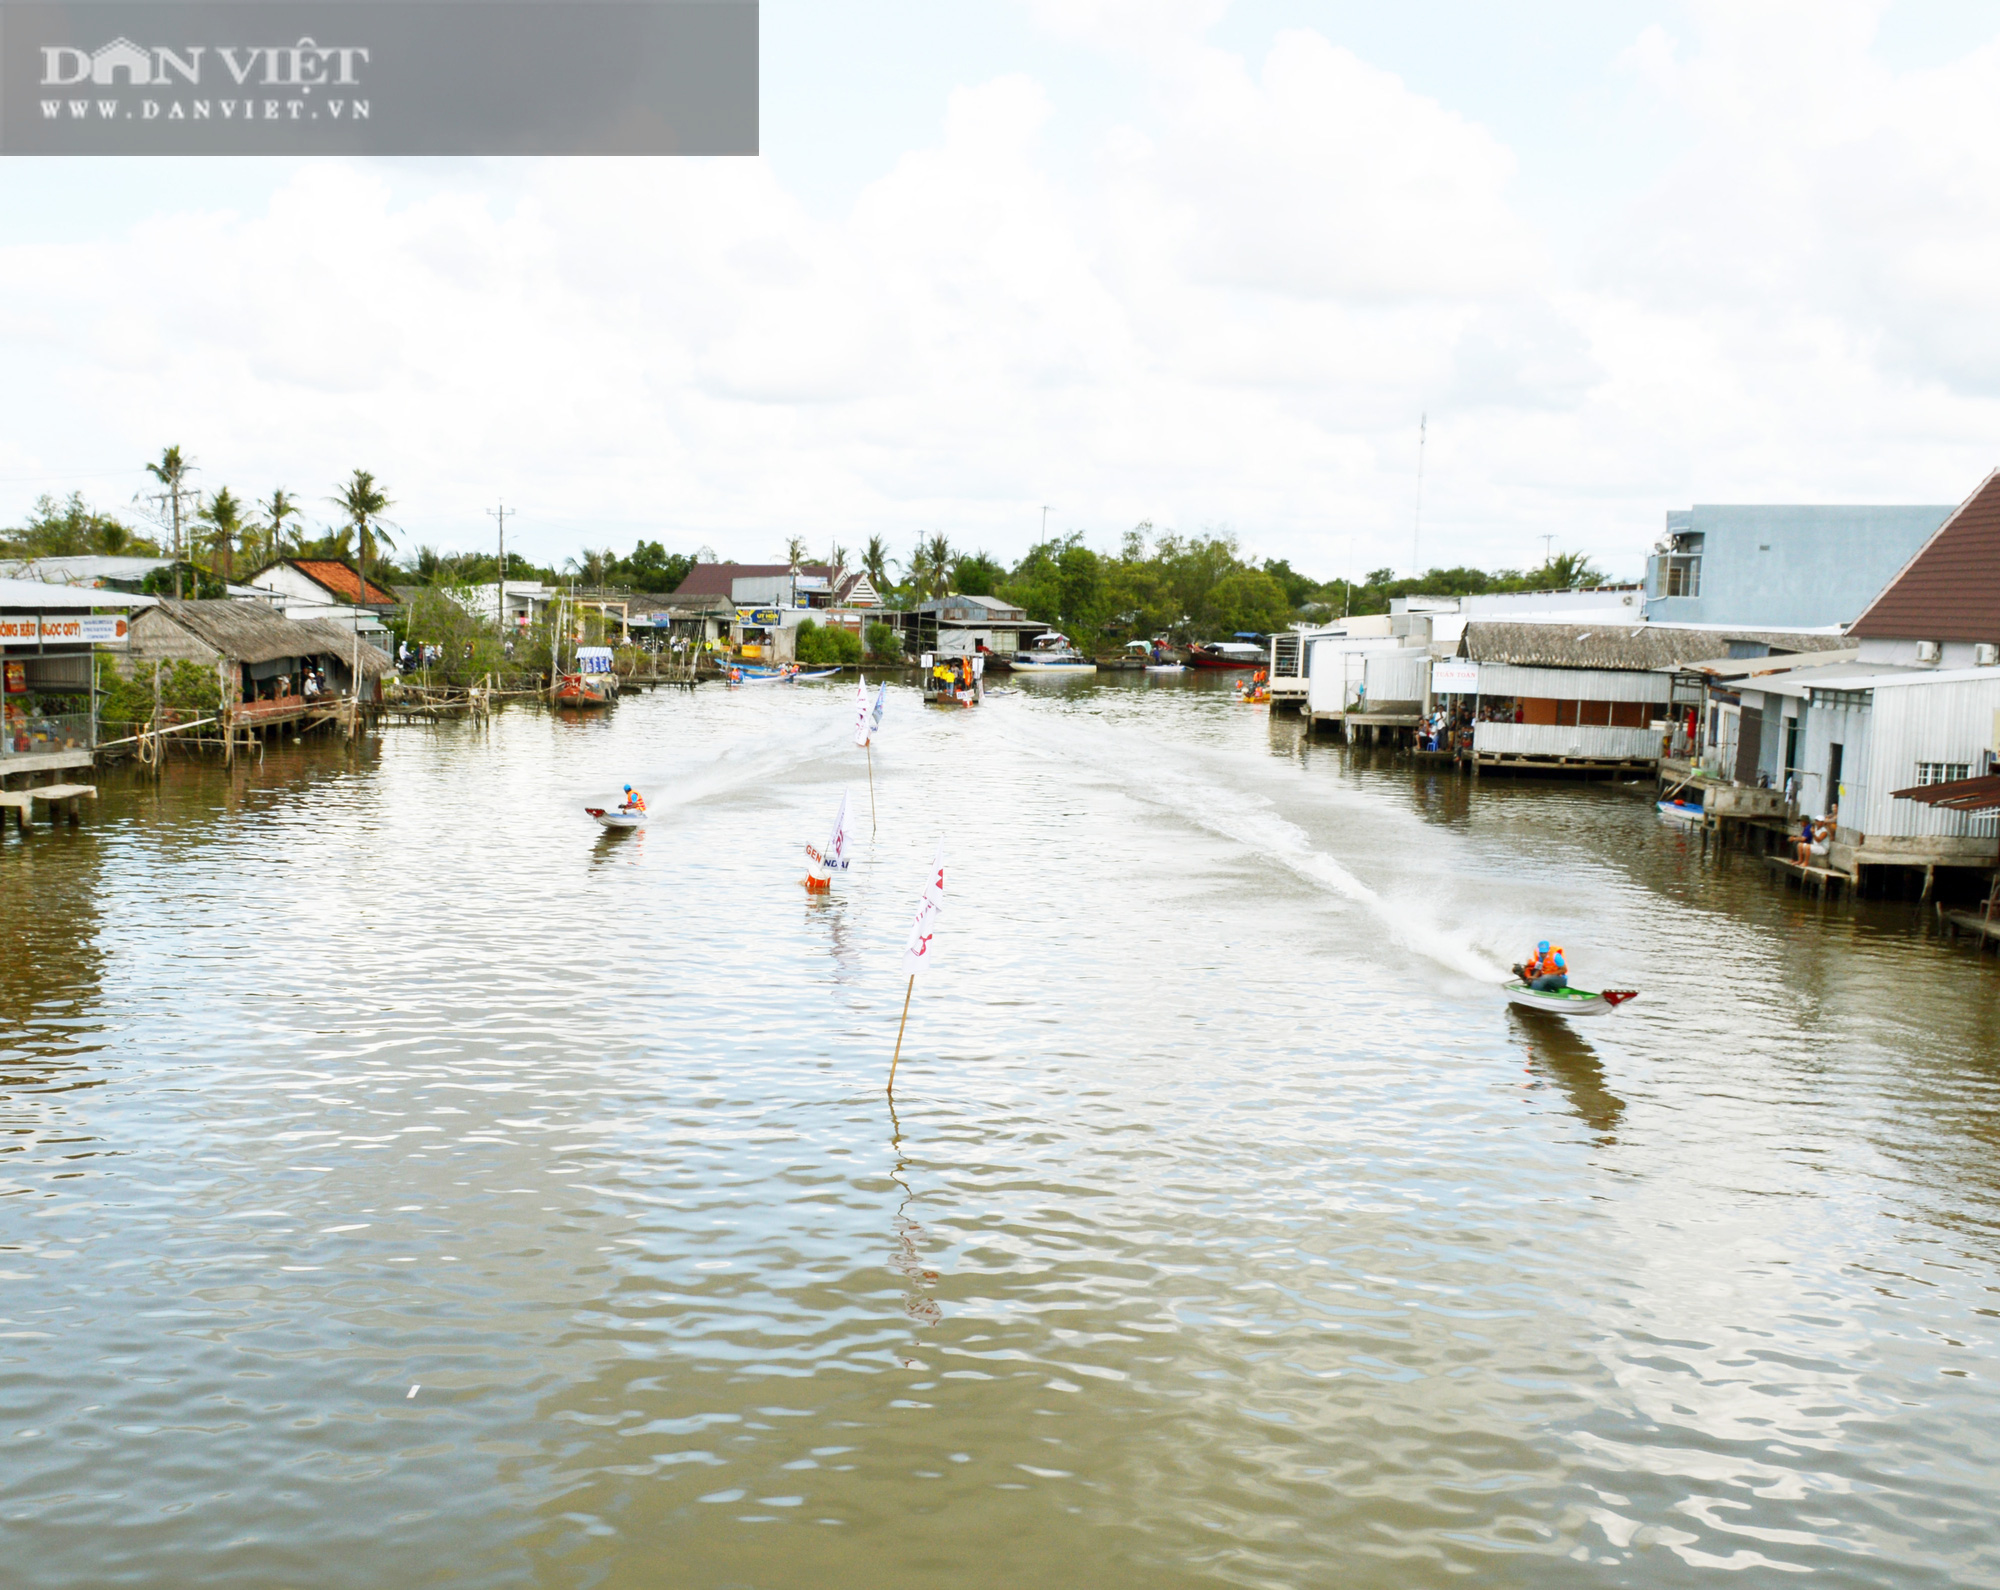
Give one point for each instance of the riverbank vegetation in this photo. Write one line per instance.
(1153, 582)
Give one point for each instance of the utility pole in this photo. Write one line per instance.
(1548, 549)
(500, 587)
(1045, 521)
(1417, 528)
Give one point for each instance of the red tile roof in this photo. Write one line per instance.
(715, 579)
(1951, 589)
(340, 579)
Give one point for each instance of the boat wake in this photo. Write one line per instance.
(1248, 820)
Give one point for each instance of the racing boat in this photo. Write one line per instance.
(1680, 811)
(824, 673)
(617, 816)
(1567, 1001)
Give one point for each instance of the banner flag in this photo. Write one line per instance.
(834, 857)
(861, 733)
(881, 705)
(920, 951)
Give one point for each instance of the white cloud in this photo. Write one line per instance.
(1226, 307)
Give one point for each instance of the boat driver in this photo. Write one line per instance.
(634, 801)
(1546, 972)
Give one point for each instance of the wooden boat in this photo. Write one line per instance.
(583, 690)
(617, 817)
(1226, 654)
(1567, 1001)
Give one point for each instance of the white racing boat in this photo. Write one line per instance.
(617, 816)
(1566, 1001)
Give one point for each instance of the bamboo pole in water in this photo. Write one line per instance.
(898, 1055)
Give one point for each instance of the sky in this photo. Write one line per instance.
(1203, 265)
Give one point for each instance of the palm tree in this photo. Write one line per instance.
(278, 507)
(929, 568)
(876, 561)
(171, 471)
(222, 516)
(795, 552)
(364, 503)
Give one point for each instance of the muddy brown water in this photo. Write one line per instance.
(1227, 1229)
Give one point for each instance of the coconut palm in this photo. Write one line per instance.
(876, 561)
(929, 568)
(277, 508)
(172, 471)
(364, 503)
(221, 517)
(795, 552)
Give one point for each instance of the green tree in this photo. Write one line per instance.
(72, 529)
(364, 502)
(1248, 601)
(883, 642)
(977, 574)
(876, 561)
(221, 519)
(171, 471)
(276, 509)
(651, 567)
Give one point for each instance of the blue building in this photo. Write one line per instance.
(1781, 567)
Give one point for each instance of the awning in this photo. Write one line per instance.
(1960, 795)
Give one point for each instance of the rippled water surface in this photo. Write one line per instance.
(408, 1185)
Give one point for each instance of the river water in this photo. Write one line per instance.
(406, 1184)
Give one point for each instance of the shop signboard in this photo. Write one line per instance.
(64, 629)
(1452, 676)
(758, 617)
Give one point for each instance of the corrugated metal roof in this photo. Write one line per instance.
(1621, 645)
(718, 579)
(1951, 589)
(34, 595)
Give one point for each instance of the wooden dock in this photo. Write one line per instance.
(1819, 880)
(61, 799)
(1984, 929)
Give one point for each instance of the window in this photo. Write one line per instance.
(1942, 772)
(1683, 576)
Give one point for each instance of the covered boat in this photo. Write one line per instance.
(1227, 654)
(1052, 654)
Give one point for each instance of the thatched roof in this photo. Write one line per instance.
(254, 632)
(1623, 644)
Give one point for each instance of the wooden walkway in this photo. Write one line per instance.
(61, 799)
(1984, 929)
(1820, 880)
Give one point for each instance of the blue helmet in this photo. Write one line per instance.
(1542, 948)
(628, 791)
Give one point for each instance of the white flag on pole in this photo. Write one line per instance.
(861, 734)
(834, 857)
(921, 950)
(881, 705)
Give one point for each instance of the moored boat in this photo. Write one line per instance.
(1226, 654)
(1567, 1001)
(1680, 811)
(1052, 654)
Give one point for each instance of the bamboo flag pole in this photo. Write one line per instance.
(873, 826)
(898, 1055)
(917, 952)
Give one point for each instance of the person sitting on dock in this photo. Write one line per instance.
(634, 801)
(1546, 971)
